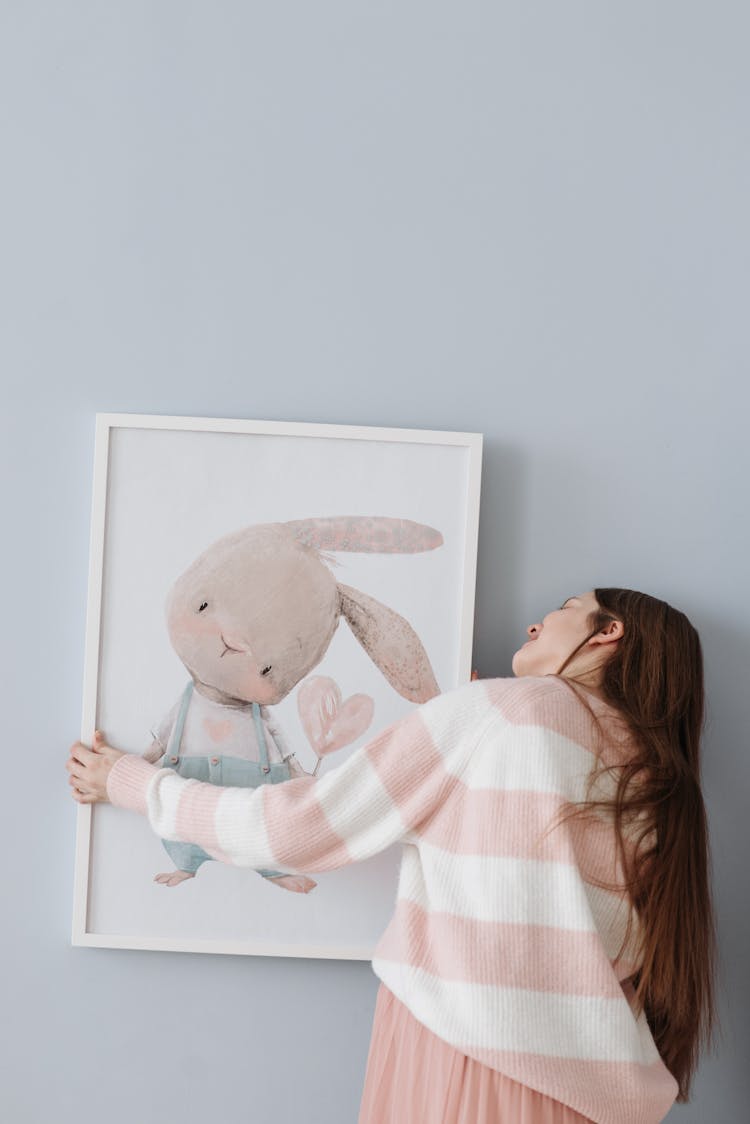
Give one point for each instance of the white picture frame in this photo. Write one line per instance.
(167, 487)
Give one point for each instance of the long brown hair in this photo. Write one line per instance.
(655, 680)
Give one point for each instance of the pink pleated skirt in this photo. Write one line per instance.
(414, 1077)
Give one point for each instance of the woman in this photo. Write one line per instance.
(551, 953)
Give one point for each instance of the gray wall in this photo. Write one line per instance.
(529, 220)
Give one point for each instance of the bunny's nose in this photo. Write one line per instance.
(233, 644)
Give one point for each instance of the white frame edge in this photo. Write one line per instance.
(290, 429)
(91, 664)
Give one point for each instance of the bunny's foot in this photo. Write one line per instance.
(174, 877)
(297, 883)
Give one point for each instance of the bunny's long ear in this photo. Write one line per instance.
(391, 643)
(366, 534)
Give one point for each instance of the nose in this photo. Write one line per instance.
(533, 629)
(234, 643)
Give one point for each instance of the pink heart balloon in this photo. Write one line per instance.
(328, 722)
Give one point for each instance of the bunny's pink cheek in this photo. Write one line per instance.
(191, 625)
(256, 687)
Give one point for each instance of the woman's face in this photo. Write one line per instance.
(552, 639)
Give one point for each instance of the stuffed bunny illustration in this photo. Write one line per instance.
(249, 619)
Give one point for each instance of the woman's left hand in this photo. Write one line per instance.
(89, 769)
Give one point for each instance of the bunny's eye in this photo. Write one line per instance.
(203, 606)
(266, 670)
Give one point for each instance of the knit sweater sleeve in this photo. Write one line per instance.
(377, 796)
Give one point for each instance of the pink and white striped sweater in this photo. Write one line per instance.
(502, 943)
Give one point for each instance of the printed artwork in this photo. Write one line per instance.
(250, 619)
(264, 599)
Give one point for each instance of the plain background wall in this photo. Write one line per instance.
(528, 220)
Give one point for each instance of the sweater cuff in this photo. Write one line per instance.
(128, 781)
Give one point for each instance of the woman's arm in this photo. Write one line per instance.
(379, 794)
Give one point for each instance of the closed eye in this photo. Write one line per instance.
(203, 606)
(266, 670)
(567, 602)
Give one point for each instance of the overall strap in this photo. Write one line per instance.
(175, 738)
(262, 747)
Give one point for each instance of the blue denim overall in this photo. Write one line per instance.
(234, 772)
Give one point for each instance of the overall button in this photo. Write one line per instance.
(174, 760)
(214, 760)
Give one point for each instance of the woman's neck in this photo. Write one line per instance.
(589, 679)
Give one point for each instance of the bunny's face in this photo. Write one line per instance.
(254, 613)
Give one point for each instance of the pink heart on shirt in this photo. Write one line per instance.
(218, 729)
(328, 722)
